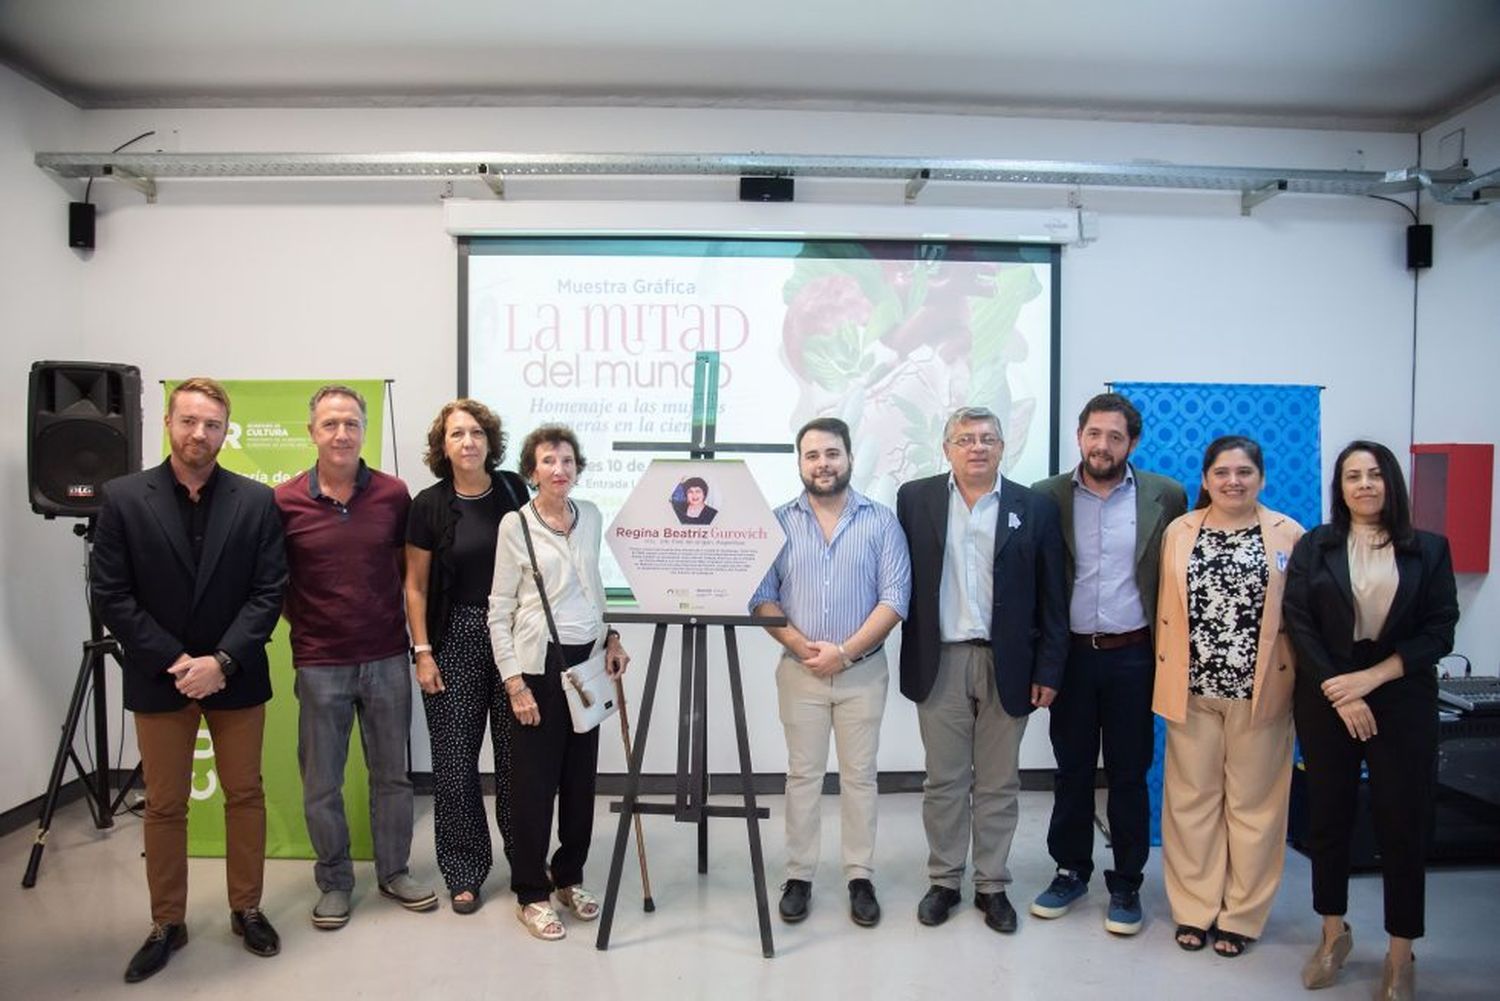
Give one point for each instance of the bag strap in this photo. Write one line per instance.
(541, 590)
(511, 490)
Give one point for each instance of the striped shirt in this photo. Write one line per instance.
(829, 588)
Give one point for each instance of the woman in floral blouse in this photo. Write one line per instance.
(1224, 673)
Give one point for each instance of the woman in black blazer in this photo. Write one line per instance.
(1370, 605)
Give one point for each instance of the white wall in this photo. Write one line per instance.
(339, 278)
(43, 618)
(1458, 355)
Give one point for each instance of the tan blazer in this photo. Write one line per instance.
(1275, 663)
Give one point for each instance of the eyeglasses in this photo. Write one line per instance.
(970, 440)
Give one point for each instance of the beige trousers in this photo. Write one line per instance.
(1223, 823)
(849, 705)
(973, 771)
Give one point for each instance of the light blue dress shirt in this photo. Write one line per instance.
(966, 595)
(828, 588)
(1105, 596)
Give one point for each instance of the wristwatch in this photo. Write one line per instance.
(227, 664)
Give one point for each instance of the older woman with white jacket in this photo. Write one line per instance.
(549, 760)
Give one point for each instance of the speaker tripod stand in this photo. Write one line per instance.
(90, 680)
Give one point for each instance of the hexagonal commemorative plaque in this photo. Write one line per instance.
(695, 537)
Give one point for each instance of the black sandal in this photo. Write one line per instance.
(1200, 934)
(1235, 942)
(467, 906)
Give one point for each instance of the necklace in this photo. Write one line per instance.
(481, 496)
(560, 533)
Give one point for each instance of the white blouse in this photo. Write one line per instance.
(575, 589)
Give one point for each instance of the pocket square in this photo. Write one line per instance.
(1015, 520)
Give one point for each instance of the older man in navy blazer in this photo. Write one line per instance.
(984, 644)
(188, 571)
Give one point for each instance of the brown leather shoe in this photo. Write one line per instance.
(1322, 967)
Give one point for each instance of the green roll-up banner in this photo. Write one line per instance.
(268, 441)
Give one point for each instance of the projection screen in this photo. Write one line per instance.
(891, 336)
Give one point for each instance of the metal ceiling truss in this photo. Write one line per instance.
(1255, 184)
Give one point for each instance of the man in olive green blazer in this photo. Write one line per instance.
(1113, 516)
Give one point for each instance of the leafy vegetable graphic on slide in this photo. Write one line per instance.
(893, 346)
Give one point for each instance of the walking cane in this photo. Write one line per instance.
(640, 838)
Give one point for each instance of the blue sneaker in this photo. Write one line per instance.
(1056, 900)
(1124, 914)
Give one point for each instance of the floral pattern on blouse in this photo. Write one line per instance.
(1226, 576)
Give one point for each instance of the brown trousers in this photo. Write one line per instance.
(167, 741)
(1223, 821)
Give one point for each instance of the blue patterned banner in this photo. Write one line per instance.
(1181, 418)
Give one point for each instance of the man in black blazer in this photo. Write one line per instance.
(187, 573)
(1113, 517)
(983, 645)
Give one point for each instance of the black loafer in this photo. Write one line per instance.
(864, 909)
(794, 896)
(998, 913)
(251, 925)
(154, 953)
(936, 903)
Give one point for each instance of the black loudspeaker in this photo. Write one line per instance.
(83, 429)
(766, 189)
(1418, 247)
(81, 225)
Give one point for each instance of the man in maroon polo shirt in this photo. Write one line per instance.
(345, 528)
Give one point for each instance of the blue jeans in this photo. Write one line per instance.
(380, 692)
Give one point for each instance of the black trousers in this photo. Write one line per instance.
(1105, 697)
(549, 761)
(1402, 762)
(456, 721)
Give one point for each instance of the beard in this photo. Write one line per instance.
(1104, 467)
(839, 485)
(195, 457)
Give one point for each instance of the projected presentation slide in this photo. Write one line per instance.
(601, 334)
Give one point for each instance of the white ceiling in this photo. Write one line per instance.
(1395, 65)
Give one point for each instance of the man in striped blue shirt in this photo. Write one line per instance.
(843, 581)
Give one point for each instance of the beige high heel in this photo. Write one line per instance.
(1322, 967)
(1398, 983)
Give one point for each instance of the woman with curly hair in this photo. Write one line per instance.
(450, 560)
